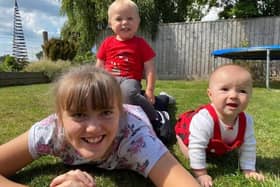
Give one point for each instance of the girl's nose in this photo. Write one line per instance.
(93, 124)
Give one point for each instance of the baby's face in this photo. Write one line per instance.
(92, 132)
(230, 90)
(124, 21)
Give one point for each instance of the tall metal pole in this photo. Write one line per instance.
(267, 68)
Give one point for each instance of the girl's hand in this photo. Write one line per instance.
(73, 178)
(205, 180)
(253, 174)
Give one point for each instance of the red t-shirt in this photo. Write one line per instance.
(125, 58)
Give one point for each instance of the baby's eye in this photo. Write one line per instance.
(243, 91)
(118, 19)
(224, 89)
(130, 18)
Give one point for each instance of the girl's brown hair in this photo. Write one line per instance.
(86, 86)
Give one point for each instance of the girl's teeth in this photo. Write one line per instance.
(94, 140)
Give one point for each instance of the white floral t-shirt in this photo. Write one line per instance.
(136, 146)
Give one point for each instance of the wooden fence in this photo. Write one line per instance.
(22, 78)
(184, 49)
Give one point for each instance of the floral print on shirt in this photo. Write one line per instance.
(136, 147)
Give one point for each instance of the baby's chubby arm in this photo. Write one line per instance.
(200, 133)
(247, 152)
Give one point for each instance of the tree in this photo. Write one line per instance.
(269, 8)
(56, 49)
(39, 55)
(89, 17)
(4, 67)
(2, 58)
(249, 8)
(10, 63)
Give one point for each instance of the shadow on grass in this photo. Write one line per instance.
(270, 165)
(172, 110)
(39, 170)
(223, 165)
(42, 174)
(228, 164)
(126, 178)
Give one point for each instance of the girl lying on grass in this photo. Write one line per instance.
(91, 125)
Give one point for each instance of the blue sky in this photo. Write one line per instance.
(37, 16)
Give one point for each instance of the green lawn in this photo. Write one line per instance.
(21, 106)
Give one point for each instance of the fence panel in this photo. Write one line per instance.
(22, 78)
(184, 49)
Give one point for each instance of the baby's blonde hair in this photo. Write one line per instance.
(116, 3)
(85, 86)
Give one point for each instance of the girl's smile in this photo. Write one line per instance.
(95, 140)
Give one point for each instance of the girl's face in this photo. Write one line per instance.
(92, 132)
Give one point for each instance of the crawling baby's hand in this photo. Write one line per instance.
(253, 174)
(205, 180)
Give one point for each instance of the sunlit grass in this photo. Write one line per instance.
(22, 106)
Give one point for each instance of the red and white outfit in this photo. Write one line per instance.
(201, 135)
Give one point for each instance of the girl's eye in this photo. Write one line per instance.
(107, 113)
(130, 18)
(243, 91)
(79, 116)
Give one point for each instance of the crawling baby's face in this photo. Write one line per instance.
(230, 89)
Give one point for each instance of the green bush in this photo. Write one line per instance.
(50, 68)
(11, 64)
(56, 49)
(4, 67)
(257, 69)
(86, 58)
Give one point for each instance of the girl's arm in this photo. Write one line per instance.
(7, 183)
(14, 155)
(168, 172)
